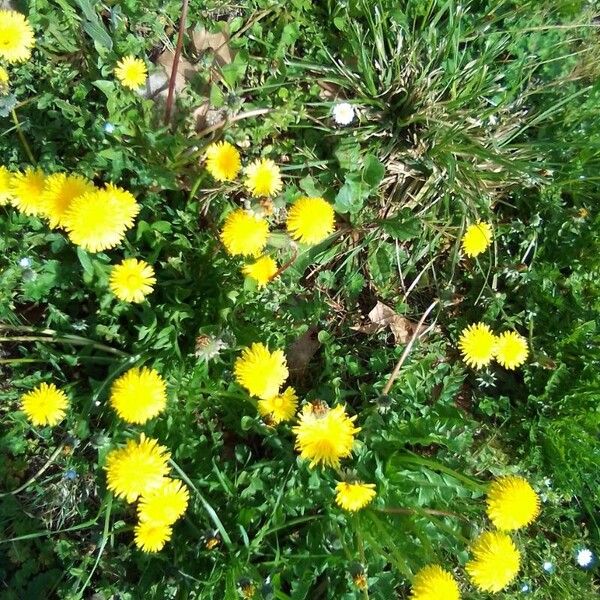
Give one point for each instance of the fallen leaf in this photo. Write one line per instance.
(301, 351)
(218, 42)
(381, 317)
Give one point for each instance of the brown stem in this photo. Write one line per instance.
(245, 115)
(287, 265)
(171, 95)
(408, 348)
(416, 511)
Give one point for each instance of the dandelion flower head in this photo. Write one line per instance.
(27, 189)
(60, 191)
(165, 504)
(137, 468)
(131, 72)
(152, 537)
(132, 280)
(245, 234)
(263, 178)
(310, 220)
(260, 371)
(45, 405)
(16, 37)
(5, 185)
(324, 435)
(261, 270)
(477, 239)
(281, 407)
(584, 557)
(223, 161)
(477, 344)
(495, 563)
(512, 503)
(434, 583)
(511, 349)
(138, 395)
(354, 496)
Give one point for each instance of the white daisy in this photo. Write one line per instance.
(584, 557)
(343, 113)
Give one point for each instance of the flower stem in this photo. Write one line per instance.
(22, 139)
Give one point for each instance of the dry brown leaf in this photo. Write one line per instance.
(218, 42)
(301, 351)
(381, 317)
(185, 69)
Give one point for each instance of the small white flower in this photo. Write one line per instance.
(525, 588)
(584, 557)
(343, 113)
(548, 566)
(109, 128)
(25, 262)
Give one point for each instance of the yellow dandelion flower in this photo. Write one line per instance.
(512, 503)
(138, 395)
(511, 349)
(434, 583)
(354, 496)
(4, 81)
(310, 220)
(262, 270)
(137, 468)
(260, 371)
(98, 220)
(165, 504)
(60, 191)
(131, 72)
(152, 537)
(132, 280)
(477, 343)
(16, 37)
(281, 407)
(477, 239)
(263, 178)
(324, 435)
(5, 186)
(244, 234)
(223, 161)
(125, 201)
(495, 561)
(27, 191)
(45, 405)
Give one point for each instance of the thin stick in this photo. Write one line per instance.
(408, 348)
(412, 511)
(24, 143)
(257, 112)
(170, 97)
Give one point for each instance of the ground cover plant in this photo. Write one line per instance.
(299, 300)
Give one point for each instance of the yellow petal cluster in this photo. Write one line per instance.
(223, 161)
(165, 504)
(5, 185)
(45, 405)
(511, 349)
(131, 72)
(310, 220)
(139, 395)
(434, 583)
(495, 563)
(324, 435)
(245, 234)
(132, 280)
(137, 468)
(99, 220)
(262, 270)
(281, 407)
(260, 371)
(27, 191)
(151, 536)
(16, 37)
(477, 239)
(263, 178)
(512, 503)
(4, 81)
(59, 192)
(354, 496)
(477, 343)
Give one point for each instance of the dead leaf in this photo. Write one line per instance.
(185, 69)
(301, 351)
(381, 317)
(218, 42)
